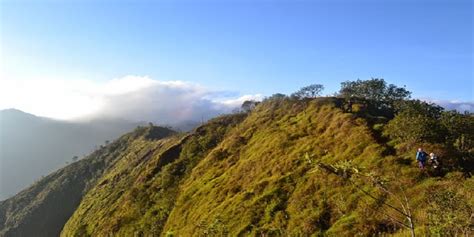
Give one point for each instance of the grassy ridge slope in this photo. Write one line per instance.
(256, 181)
(254, 174)
(137, 195)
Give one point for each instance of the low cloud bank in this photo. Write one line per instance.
(460, 106)
(133, 98)
(168, 102)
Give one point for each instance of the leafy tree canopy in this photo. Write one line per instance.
(277, 96)
(460, 129)
(416, 121)
(248, 105)
(418, 107)
(375, 90)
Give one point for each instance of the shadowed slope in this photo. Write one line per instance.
(44, 208)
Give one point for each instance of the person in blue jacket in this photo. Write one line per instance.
(421, 157)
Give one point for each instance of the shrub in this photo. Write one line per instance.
(449, 214)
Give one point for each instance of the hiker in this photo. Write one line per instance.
(421, 158)
(434, 161)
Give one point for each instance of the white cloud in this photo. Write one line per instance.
(238, 101)
(60, 99)
(460, 106)
(138, 98)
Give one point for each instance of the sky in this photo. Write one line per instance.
(73, 59)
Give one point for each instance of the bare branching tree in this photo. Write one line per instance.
(311, 91)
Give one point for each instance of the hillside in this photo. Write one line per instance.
(44, 208)
(255, 173)
(32, 146)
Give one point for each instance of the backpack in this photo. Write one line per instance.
(435, 162)
(421, 156)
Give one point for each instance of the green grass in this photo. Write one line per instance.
(249, 175)
(251, 178)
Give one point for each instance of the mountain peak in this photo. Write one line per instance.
(13, 114)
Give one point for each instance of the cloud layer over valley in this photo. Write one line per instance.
(460, 106)
(134, 98)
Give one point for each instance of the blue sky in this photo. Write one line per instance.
(247, 47)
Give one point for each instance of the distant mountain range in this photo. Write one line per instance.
(32, 146)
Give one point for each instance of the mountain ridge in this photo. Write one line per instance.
(253, 174)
